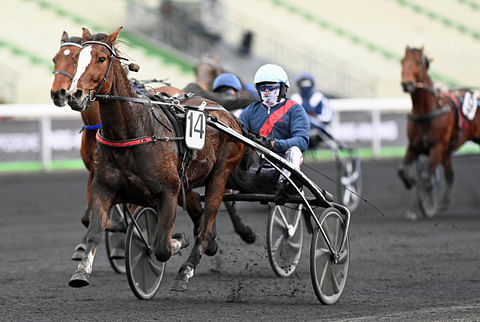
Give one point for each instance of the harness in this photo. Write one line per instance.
(67, 74)
(170, 106)
(62, 72)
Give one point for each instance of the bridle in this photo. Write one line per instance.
(62, 72)
(113, 55)
(423, 85)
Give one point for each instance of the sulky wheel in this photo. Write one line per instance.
(285, 238)
(329, 272)
(429, 188)
(115, 241)
(144, 271)
(350, 182)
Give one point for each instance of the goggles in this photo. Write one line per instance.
(268, 86)
(305, 83)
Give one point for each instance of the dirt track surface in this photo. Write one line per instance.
(399, 269)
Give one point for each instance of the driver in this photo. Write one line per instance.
(282, 121)
(315, 104)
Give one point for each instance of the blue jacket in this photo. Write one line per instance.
(292, 129)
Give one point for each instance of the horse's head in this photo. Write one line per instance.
(414, 69)
(65, 62)
(94, 69)
(206, 70)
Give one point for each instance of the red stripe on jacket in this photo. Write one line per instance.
(267, 127)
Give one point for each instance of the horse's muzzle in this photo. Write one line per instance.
(408, 87)
(59, 97)
(77, 101)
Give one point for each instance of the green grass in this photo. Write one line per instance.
(36, 166)
(309, 156)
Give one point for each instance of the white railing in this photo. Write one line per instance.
(44, 113)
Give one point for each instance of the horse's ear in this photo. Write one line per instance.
(113, 36)
(407, 49)
(64, 37)
(421, 49)
(86, 35)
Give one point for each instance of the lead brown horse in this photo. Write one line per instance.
(148, 173)
(65, 62)
(436, 125)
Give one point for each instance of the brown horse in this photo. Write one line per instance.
(148, 174)
(436, 125)
(65, 65)
(206, 70)
(65, 62)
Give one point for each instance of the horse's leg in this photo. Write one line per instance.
(449, 177)
(244, 231)
(404, 170)
(165, 244)
(194, 209)
(101, 202)
(205, 239)
(79, 250)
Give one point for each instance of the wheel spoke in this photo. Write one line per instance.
(347, 196)
(336, 243)
(320, 252)
(282, 216)
(279, 222)
(277, 243)
(335, 283)
(156, 268)
(294, 244)
(326, 229)
(135, 260)
(324, 273)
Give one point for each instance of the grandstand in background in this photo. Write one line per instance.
(352, 47)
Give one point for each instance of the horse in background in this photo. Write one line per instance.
(206, 70)
(65, 61)
(436, 125)
(148, 173)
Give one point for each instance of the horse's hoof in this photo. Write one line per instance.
(410, 215)
(79, 251)
(408, 182)
(248, 235)
(79, 279)
(78, 255)
(212, 248)
(179, 286)
(182, 238)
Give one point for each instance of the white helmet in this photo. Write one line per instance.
(271, 73)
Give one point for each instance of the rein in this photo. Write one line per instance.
(175, 102)
(436, 113)
(146, 139)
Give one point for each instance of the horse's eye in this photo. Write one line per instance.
(101, 59)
